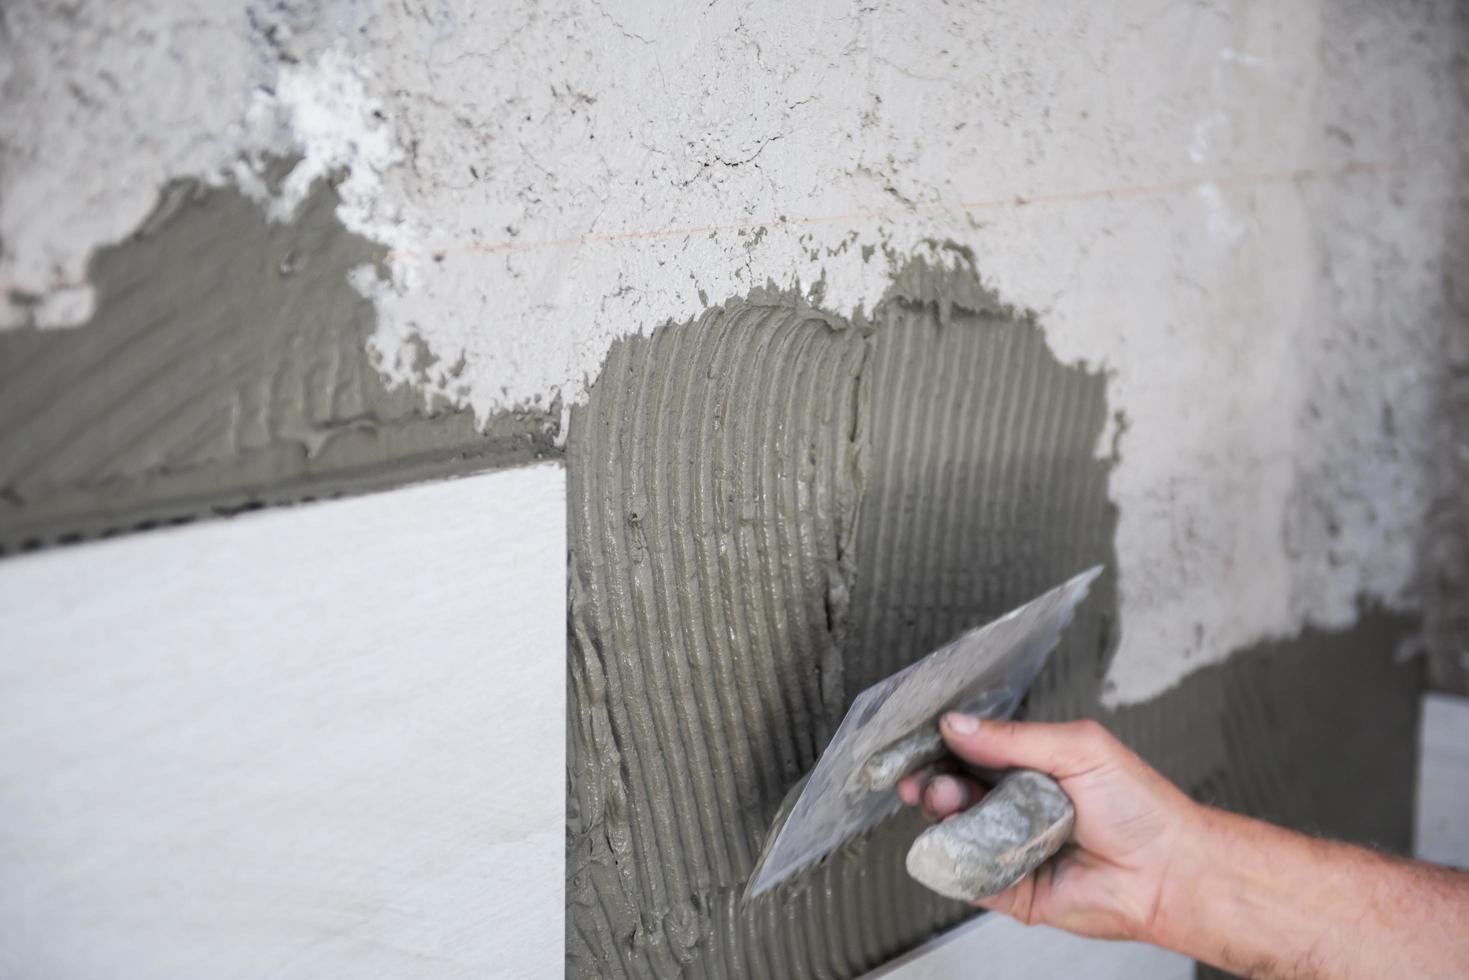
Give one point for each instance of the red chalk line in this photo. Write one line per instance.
(1348, 169)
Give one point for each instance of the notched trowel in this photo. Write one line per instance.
(892, 730)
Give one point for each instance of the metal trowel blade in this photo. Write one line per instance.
(985, 670)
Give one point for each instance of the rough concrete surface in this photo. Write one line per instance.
(1445, 537)
(226, 366)
(1249, 190)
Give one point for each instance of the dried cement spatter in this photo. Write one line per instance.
(771, 508)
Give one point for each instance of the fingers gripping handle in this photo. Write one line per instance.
(992, 845)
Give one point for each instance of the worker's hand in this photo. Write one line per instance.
(1110, 881)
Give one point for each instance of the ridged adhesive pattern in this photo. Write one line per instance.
(226, 367)
(771, 508)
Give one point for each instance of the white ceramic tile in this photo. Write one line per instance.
(996, 946)
(1442, 832)
(324, 741)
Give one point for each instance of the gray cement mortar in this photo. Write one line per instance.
(772, 507)
(1318, 733)
(226, 368)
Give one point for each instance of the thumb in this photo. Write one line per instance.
(1059, 750)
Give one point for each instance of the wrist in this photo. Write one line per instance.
(1243, 894)
(1188, 862)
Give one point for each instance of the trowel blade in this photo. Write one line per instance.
(986, 671)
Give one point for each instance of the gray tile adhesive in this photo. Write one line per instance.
(226, 367)
(772, 507)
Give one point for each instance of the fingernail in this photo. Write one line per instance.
(961, 724)
(946, 794)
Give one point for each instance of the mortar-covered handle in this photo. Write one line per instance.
(995, 843)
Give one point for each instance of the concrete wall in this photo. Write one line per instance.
(1242, 212)
(259, 252)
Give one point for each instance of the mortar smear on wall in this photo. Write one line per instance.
(226, 367)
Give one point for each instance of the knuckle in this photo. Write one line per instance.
(1090, 730)
(1092, 737)
(1003, 729)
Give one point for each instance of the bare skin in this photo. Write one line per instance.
(1147, 863)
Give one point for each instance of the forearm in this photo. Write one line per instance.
(1262, 901)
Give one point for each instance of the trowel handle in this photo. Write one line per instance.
(992, 845)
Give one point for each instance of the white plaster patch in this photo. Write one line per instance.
(103, 104)
(322, 112)
(1237, 210)
(85, 148)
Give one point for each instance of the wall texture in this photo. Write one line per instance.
(269, 250)
(1252, 193)
(226, 366)
(771, 509)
